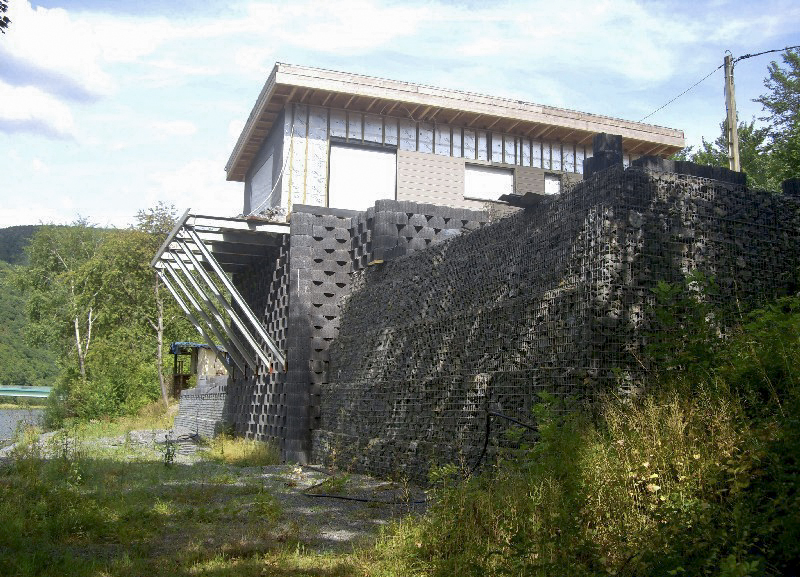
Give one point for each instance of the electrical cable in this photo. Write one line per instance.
(744, 57)
(682, 93)
(275, 186)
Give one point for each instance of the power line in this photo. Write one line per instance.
(682, 93)
(744, 57)
(765, 52)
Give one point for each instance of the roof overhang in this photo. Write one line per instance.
(313, 86)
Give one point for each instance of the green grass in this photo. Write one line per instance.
(241, 452)
(152, 416)
(122, 512)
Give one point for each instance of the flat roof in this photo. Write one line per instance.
(315, 86)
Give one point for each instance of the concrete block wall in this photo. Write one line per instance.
(554, 299)
(202, 409)
(255, 406)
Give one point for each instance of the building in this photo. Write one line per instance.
(341, 172)
(324, 138)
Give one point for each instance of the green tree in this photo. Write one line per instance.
(132, 289)
(754, 154)
(62, 297)
(783, 122)
(4, 20)
(93, 294)
(20, 364)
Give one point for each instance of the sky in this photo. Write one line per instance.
(108, 107)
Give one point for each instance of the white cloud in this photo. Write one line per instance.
(28, 109)
(173, 128)
(200, 185)
(27, 212)
(53, 44)
(38, 165)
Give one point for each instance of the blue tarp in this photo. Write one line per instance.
(182, 348)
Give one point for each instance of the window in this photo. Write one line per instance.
(360, 176)
(487, 182)
(552, 184)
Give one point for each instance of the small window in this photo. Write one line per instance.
(552, 184)
(487, 182)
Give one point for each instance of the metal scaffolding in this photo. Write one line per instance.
(195, 262)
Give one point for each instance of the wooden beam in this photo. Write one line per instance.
(391, 108)
(493, 124)
(371, 104)
(347, 104)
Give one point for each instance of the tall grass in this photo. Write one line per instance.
(700, 476)
(241, 452)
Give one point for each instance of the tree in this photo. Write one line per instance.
(754, 154)
(158, 223)
(4, 20)
(783, 122)
(62, 299)
(92, 293)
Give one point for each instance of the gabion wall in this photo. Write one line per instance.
(553, 299)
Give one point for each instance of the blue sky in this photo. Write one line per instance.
(108, 107)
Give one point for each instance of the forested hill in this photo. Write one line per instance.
(20, 364)
(13, 241)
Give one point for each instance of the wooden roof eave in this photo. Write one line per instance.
(423, 103)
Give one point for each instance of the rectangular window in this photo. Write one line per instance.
(487, 182)
(552, 184)
(360, 176)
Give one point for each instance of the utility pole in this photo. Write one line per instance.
(732, 131)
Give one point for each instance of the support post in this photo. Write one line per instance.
(732, 131)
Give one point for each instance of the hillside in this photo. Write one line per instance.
(19, 363)
(13, 241)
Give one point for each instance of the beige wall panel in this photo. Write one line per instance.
(432, 178)
(529, 180)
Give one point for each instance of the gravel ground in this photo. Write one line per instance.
(345, 511)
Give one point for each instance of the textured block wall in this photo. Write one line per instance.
(256, 403)
(552, 300)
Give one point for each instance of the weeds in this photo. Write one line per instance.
(699, 476)
(241, 452)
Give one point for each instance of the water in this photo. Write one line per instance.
(10, 419)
